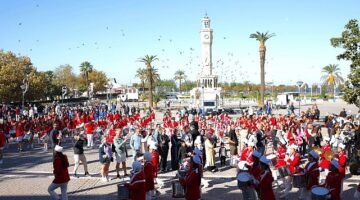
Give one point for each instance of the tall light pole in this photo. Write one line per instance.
(64, 91)
(24, 87)
(299, 84)
(203, 92)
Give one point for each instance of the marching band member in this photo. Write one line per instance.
(137, 182)
(333, 181)
(293, 163)
(250, 150)
(312, 174)
(264, 181)
(149, 176)
(281, 154)
(192, 180)
(254, 169)
(342, 163)
(324, 163)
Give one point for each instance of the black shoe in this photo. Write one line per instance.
(87, 174)
(118, 176)
(76, 176)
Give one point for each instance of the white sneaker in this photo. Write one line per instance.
(104, 179)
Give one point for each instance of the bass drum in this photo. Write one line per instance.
(243, 179)
(299, 180)
(123, 192)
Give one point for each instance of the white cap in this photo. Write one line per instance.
(147, 156)
(335, 163)
(251, 144)
(256, 154)
(264, 160)
(326, 139)
(341, 145)
(314, 154)
(136, 166)
(293, 146)
(58, 148)
(196, 159)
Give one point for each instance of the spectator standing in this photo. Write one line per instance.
(135, 143)
(105, 158)
(79, 154)
(120, 145)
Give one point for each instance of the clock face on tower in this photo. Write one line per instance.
(206, 36)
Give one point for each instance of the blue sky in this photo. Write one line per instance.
(112, 35)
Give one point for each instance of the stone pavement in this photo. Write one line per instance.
(26, 175)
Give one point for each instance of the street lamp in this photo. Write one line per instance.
(64, 91)
(109, 87)
(24, 87)
(299, 84)
(203, 92)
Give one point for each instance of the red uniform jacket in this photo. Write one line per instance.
(2, 139)
(342, 163)
(312, 174)
(280, 154)
(249, 158)
(325, 164)
(265, 185)
(61, 172)
(137, 186)
(243, 154)
(293, 163)
(333, 183)
(155, 162)
(255, 170)
(192, 183)
(149, 176)
(89, 128)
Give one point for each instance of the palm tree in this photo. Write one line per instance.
(148, 60)
(180, 75)
(86, 68)
(262, 38)
(141, 74)
(332, 75)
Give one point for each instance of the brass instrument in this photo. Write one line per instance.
(317, 149)
(329, 155)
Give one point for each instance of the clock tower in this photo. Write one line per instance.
(206, 78)
(206, 46)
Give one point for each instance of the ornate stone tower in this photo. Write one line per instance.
(206, 78)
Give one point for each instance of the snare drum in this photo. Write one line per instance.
(284, 172)
(319, 193)
(273, 158)
(243, 179)
(177, 189)
(241, 166)
(299, 180)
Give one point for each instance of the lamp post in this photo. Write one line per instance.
(203, 92)
(24, 87)
(64, 91)
(109, 87)
(299, 84)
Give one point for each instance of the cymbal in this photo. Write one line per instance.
(329, 155)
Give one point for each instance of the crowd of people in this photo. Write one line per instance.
(193, 141)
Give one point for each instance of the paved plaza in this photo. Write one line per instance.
(26, 175)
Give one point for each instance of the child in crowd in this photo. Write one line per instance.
(222, 154)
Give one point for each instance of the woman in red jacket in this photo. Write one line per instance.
(137, 182)
(61, 174)
(265, 180)
(192, 180)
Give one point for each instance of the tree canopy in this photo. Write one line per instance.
(350, 42)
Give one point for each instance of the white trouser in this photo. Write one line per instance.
(63, 187)
(323, 175)
(82, 158)
(90, 140)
